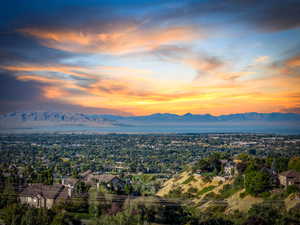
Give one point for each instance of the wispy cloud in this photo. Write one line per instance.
(121, 41)
(262, 59)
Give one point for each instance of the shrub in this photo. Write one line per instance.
(292, 189)
(228, 190)
(210, 196)
(175, 193)
(189, 180)
(192, 190)
(265, 212)
(265, 194)
(207, 179)
(206, 189)
(243, 195)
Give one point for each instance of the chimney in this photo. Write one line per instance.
(70, 192)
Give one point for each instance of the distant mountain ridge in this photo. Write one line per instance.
(22, 119)
(48, 122)
(71, 117)
(252, 116)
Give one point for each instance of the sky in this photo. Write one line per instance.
(140, 57)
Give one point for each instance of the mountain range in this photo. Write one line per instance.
(106, 119)
(57, 120)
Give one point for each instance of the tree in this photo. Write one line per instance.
(64, 219)
(201, 165)
(216, 221)
(8, 196)
(243, 157)
(126, 217)
(127, 189)
(253, 220)
(294, 163)
(257, 182)
(29, 218)
(265, 213)
(81, 188)
(280, 164)
(45, 177)
(12, 214)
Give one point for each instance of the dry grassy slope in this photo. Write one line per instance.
(235, 202)
(291, 201)
(197, 183)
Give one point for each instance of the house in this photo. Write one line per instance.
(44, 196)
(289, 177)
(90, 179)
(230, 169)
(223, 161)
(111, 182)
(85, 174)
(69, 182)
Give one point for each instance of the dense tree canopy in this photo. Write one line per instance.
(257, 182)
(294, 163)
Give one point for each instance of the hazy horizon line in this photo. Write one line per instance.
(158, 113)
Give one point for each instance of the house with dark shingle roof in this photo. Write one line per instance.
(289, 177)
(110, 181)
(44, 196)
(69, 182)
(85, 174)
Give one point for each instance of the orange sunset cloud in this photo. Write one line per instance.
(129, 39)
(147, 95)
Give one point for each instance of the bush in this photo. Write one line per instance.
(239, 182)
(175, 193)
(207, 179)
(265, 194)
(192, 190)
(228, 190)
(292, 189)
(210, 196)
(218, 221)
(189, 180)
(264, 212)
(243, 195)
(206, 189)
(217, 207)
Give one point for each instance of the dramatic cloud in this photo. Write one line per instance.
(287, 67)
(293, 62)
(200, 61)
(12, 89)
(126, 40)
(145, 57)
(17, 95)
(266, 15)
